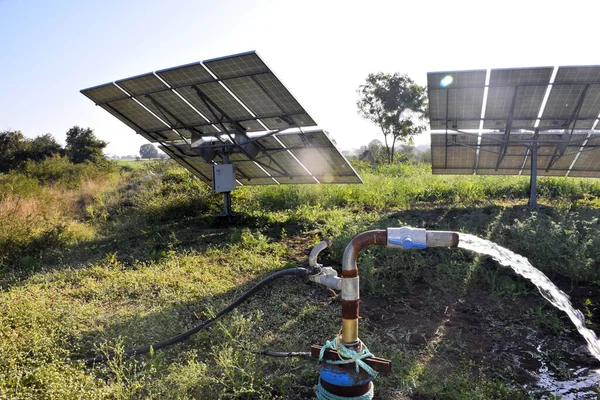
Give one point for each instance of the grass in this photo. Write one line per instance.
(135, 164)
(121, 259)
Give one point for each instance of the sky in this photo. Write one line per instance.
(321, 50)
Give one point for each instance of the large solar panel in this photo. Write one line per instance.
(289, 157)
(488, 122)
(231, 108)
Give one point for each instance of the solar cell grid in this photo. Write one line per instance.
(562, 101)
(283, 159)
(591, 104)
(142, 84)
(233, 66)
(169, 107)
(137, 114)
(303, 120)
(520, 76)
(279, 93)
(121, 118)
(253, 96)
(224, 100)
(191, 74)
(166, 108)
(585, 74)
(104, 93)
(475, 78)
(529, 101)
(499, 101)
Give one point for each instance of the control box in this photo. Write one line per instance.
(223, 178)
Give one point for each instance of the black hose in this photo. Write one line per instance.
(302, 272)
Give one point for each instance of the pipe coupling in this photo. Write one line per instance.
(407, 238)
(327, 277)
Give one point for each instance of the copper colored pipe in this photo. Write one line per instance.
(350, 295)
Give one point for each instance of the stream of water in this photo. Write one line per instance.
(521, 266)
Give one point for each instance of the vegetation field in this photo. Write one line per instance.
(95, 261)
(134, 164)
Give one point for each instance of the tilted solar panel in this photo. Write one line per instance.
(222, 100)
(546, 110)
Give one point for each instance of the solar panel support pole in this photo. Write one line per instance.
(226, 195)
(227, 204)
(533, 177)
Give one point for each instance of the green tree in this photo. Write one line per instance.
(374, 152)
(82, 145)
(396, 104)
(12, 146)
(148, 151)
(16, 149)
(44, 146)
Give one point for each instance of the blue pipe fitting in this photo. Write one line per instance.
(407, 238)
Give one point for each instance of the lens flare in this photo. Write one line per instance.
(446, 81)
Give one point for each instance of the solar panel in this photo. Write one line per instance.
(454, 151)
(239, 65)
(511, 128)
(293, 158)
(140, 85)
(104, 93)
(241, 87)
(234, 110)
(588, 163)
(185, 75)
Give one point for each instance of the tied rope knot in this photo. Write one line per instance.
(347, 356)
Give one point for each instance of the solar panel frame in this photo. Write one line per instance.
(588, 162)
(174, 110)
(459, 151)
(578, 74)
(228, 94)
(236, 65)
(104, 93)
(186, 75)
(142, 84)
(527, 87)
(137, 114)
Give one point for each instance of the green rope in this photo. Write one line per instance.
(347, 356)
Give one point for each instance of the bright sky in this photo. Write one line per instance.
(321, 50)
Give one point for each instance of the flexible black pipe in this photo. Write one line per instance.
(301, 272)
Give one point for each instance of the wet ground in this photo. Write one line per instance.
(506, 336)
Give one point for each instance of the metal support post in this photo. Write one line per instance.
(533, 177)
(227, 204)
(226, 195)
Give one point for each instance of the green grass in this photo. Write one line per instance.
(136, 164)
(127, 259)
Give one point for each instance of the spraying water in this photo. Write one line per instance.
(549, 291)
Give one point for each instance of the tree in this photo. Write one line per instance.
(16, 149)
(12, 144)
(148, 151)
(44, 146)
(396, 104)
(82, 145)
(374, 152)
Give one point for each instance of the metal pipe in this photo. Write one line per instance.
(405, 238)
(350, 282)
(312, 258)
(441, 239)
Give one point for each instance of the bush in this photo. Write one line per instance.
(58, 170)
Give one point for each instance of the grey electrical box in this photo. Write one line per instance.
(223, 178)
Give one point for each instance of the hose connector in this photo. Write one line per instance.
(327, 277)
(312, 258)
